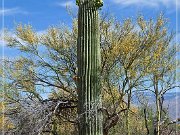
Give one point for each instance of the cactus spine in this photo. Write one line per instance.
(88, 53)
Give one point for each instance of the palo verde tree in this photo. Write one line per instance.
(49, 62)
(88, 58)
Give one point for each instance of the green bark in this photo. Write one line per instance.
(127, 122)
(88, 53)
(127, 113)
(158, 114)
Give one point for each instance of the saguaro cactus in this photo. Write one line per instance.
(88, 53)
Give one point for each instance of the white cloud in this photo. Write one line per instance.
(11, 11)
(149, 3)
(135, 2)
(69, 3)
(11, 33)
(177, 38)
(2, 43)
(2, 34)
(41, 32)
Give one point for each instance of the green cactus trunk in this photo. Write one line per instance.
(88, 53)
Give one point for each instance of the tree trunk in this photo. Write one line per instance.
(127, 122)
(109, 123)
(127, 113)
(88, 53)
(158, 111)
(146, 120)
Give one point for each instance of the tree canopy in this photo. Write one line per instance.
(40, 85)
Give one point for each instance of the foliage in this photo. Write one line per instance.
(133, 52)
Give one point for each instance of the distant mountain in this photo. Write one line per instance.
(171, 102)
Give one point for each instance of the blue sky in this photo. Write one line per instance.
(44, 13)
